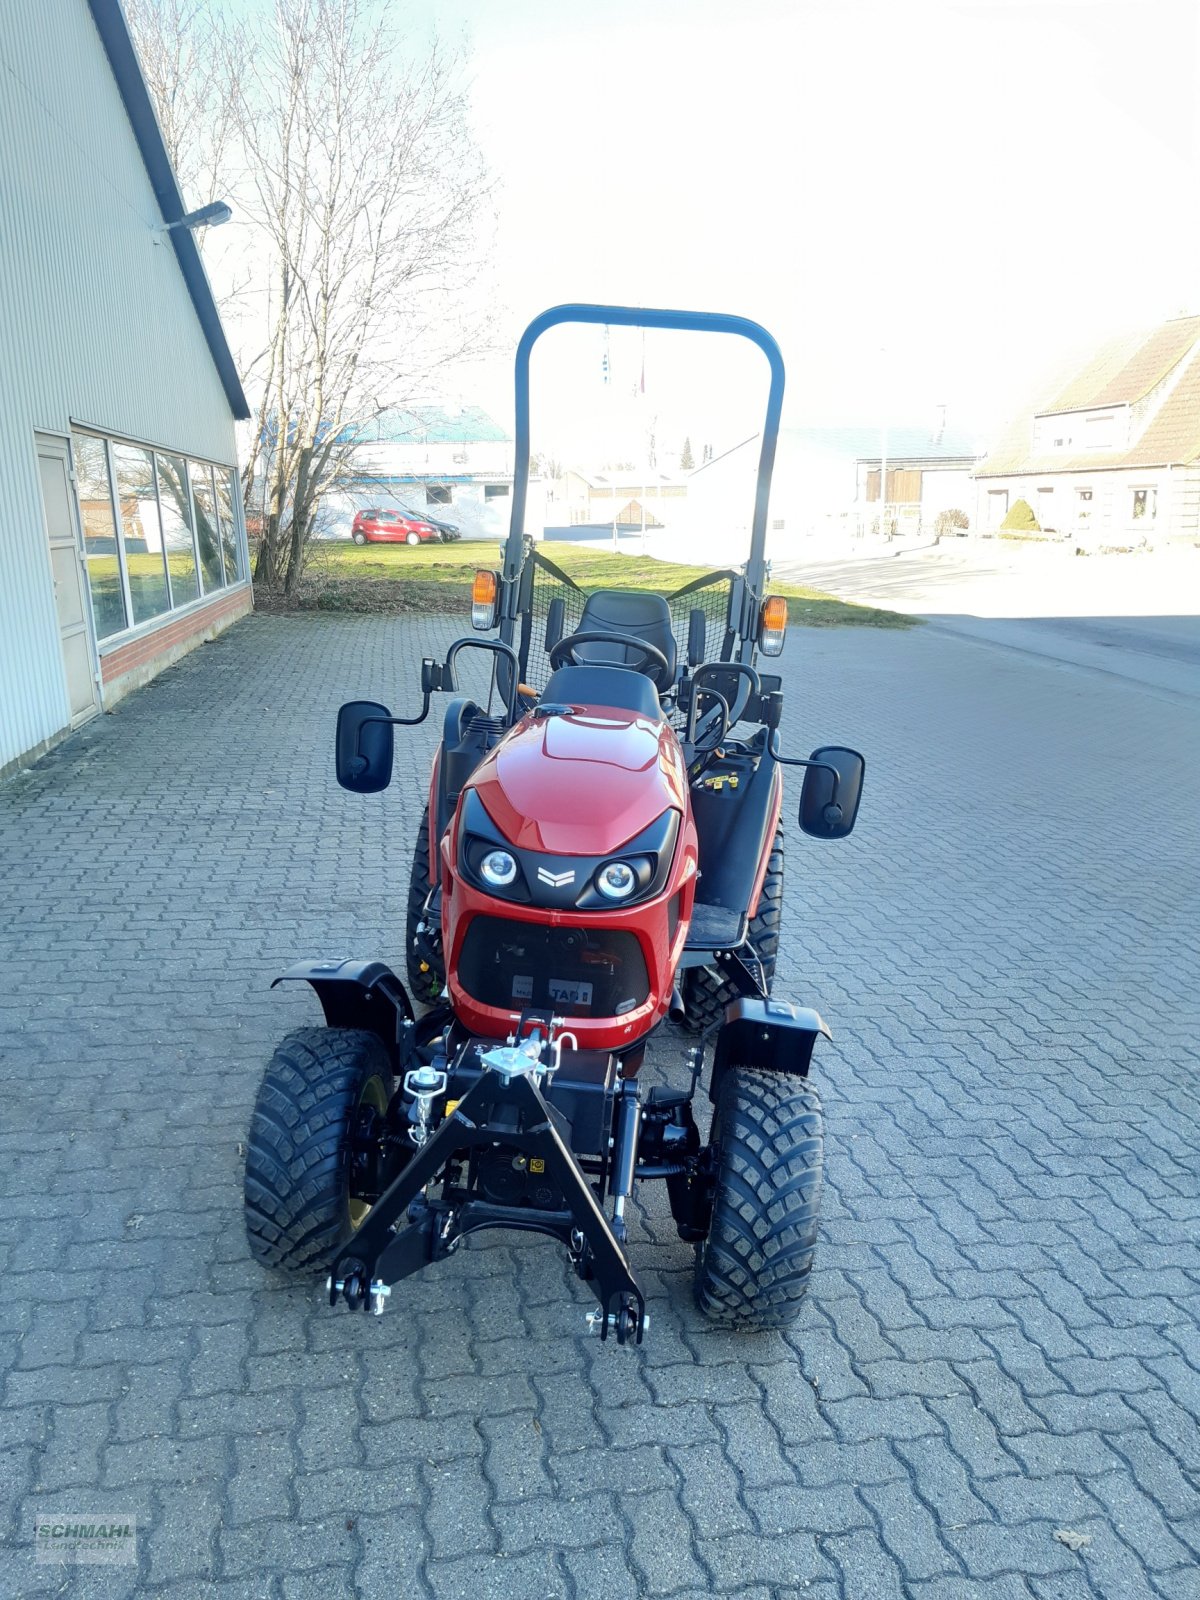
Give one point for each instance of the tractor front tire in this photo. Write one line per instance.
(426, 978)
(752, 1269)
(706, 991)
(299, 1203)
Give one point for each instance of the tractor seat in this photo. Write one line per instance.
(641, 616)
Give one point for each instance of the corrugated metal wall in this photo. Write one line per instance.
(95, 321)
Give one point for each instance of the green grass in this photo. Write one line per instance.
(436, 578)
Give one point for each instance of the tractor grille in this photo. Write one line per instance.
(580, 972)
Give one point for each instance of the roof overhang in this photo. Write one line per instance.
(131, 85)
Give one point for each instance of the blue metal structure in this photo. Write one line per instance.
(638, 317)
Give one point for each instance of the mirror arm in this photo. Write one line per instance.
(401, 722)
(794, 761)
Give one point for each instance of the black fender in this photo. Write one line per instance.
(359, 994)
(770, 1035)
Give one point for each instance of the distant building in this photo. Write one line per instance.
(1113, 456)
(456, 464)
(826, 484)
(122, 542)
(633, 497)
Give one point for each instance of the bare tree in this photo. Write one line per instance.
(353, 160)
(193, 80)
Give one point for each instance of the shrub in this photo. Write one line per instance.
(950, 522)
(1020, 519)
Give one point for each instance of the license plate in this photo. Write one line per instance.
(564, 991)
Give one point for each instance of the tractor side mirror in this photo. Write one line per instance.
(831, 792)
(697, 636)
(363, 746)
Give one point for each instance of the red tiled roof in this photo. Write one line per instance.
(1127, 369)
(1124, 371)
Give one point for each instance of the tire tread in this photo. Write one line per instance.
(753, 1269)
(295, 1179)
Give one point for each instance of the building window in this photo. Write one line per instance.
(495, 491)
(94, 487)
(159, 531)
(175, 509)
(141, 532)
(1045, 509)
(997, 507)
(231, 545)
(777, 525)
(208, 535)
(438, 494)
(1083, 505)
(1145, 505)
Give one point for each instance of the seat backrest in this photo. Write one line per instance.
(603, 686)
(641, 616)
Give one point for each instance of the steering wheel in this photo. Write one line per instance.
(651, 660)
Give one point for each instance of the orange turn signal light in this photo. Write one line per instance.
(485, 592)
(772, 624)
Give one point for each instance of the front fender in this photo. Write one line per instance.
(771, 1035)
(357, 994)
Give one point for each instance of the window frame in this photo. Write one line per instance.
(1149, 493)
(134, 630)
(157, 619)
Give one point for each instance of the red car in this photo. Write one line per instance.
(392, 527)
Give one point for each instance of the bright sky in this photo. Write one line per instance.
(926, 202)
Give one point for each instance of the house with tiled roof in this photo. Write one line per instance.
(1111, 455)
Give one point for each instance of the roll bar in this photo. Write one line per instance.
(639, 317)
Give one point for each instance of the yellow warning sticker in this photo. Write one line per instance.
(536, 1164)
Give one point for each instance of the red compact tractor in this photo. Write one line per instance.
(602, 852)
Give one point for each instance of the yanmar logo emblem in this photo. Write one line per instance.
(556, 880)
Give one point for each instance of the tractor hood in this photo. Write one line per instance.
(582, 782)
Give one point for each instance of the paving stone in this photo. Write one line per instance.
(514, 1578)
(602, 1573)
(556, 1524)
(660, 1544)
(1010, 1210)
(456, 1516)
(908, 1530)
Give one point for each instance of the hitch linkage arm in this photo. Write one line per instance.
(387, 1247)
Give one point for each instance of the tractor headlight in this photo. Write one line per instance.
(498, 868)
(616, 880)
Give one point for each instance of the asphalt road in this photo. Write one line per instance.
(999, 1349)
(1136, 616)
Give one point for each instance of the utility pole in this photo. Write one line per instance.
(883, 478)
(883, 454)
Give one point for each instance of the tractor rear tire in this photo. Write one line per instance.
(752, 1269)
(426, 979)
(706, 991)
(299, 1205)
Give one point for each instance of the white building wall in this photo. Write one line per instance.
(1108, 517)
(96, 324)
(449, 459)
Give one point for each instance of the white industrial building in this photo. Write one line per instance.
(122, 541)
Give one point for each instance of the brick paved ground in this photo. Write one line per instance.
(1002, 1335)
